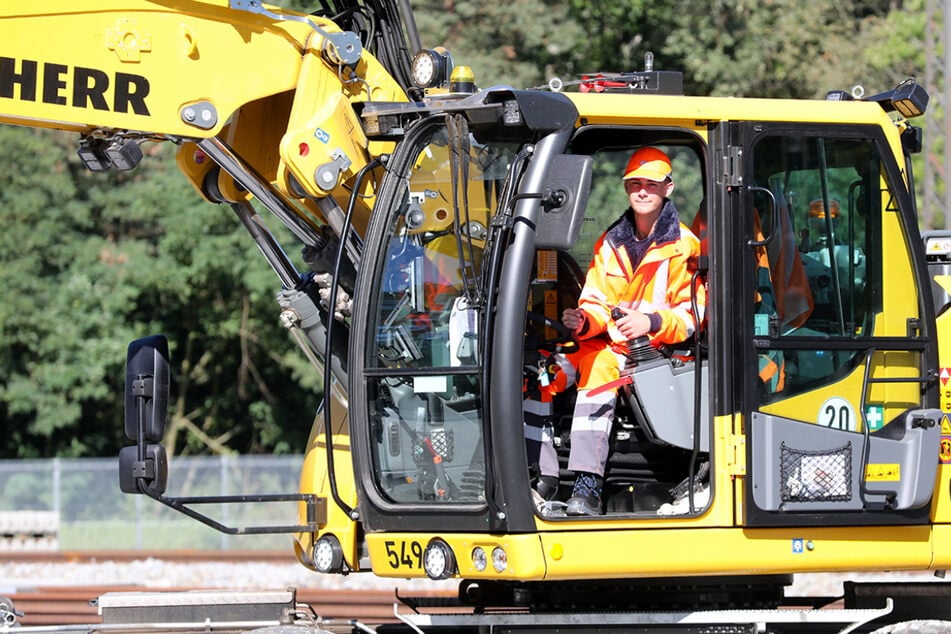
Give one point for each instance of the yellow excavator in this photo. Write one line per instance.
(804, 428)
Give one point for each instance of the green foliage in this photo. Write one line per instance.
(520, 43)
(92, 261)
(618, 34)
(764, 48)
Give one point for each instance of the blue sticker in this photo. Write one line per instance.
(798, 546)
(322, 136)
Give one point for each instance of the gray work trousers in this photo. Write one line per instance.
(590, 428)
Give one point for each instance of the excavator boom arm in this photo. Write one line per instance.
(176, 69)
(277, 88)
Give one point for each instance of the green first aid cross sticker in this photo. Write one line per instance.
(874, 417)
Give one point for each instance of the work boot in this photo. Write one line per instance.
(585, 496)
(547, 487)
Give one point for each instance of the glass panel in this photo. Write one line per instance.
(608, 199)
(819, 204)
(426, 447)
(426, 406)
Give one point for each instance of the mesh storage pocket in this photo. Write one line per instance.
(823, 475)
(442, 442)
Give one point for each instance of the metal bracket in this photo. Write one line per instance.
(733, 166)
(346, 46)
(326, 175)
(201, 114)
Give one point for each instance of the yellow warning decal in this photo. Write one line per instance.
(883, 473)
(945, 425)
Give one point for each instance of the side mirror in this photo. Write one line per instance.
(569, 185)
(146, 389)
(143, 467)
(146, 411)
(154, 469)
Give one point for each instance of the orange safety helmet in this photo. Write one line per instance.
(649, 163)
(817, 209)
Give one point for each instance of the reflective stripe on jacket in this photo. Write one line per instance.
(659, 284)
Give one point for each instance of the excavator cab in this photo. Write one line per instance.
(485, 228)
(807, 397)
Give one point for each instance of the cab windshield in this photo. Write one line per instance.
(424, 381)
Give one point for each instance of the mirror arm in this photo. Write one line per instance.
(315, 514)
(143, 388)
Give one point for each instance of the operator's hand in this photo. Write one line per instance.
(573, 319)
(633, 324)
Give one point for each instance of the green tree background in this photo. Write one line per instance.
(93, 260)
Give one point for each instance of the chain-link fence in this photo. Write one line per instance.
(82, 497)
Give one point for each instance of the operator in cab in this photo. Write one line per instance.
(637, 285)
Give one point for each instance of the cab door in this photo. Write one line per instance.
(836, 339)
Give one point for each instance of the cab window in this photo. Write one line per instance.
(821, 205)
(423, 367)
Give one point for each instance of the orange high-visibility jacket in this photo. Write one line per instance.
(660, 283)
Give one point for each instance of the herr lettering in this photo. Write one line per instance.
(26, 78)
(131, 90)
(89, 88)
(77, 87)
(53, 83)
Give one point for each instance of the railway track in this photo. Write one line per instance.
(179, 556)
(71, 604)
(65, 600)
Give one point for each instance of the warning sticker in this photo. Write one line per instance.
(938, 245)
(547, 266)
(945, 375)
(945, 425)
(883, 473)
(944, 455)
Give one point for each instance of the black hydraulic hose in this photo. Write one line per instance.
(269, 247)
(331, 302)
(409, 21)
(245, 174)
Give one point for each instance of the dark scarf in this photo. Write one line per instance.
(623, 233)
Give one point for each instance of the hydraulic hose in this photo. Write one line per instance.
(332, 301)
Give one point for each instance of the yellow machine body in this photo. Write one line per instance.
(716, 540)
(261, 110)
